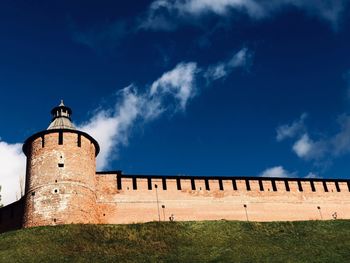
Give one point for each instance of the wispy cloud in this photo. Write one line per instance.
(303, 146)
(112, 127)
(312, 175)
(292, 129)
(170, 93)
(276, 171)
(281, 172)
(12, 163)
(179, 83)
(242, 59)
(316, 149)
(168, 15)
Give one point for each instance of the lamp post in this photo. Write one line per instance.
(156, 186)
(246, 212)
(163, 207)
(319, 210)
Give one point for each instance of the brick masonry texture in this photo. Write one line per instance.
(62, 187)
(127, 205)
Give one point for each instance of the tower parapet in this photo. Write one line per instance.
(60, 179)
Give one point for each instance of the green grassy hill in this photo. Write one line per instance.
(215, 241)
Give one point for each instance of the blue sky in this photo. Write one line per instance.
(193, 87)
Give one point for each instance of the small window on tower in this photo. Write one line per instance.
(60, 138)
(61, 165)
(79, 140)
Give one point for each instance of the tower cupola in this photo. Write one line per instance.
(61, 118)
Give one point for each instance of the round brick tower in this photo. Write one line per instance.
(61, 174)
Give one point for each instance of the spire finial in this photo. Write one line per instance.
(61, 117)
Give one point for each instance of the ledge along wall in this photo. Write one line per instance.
(135, 198)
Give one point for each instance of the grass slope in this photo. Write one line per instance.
(207, 241)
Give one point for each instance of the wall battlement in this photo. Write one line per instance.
(137, 198)
(63, 187)
(236, 183)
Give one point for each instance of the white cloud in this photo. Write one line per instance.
(326, 147)
(311, 175)
(280, 172)
(167, 15)
(303, 146)
(112, 127)
(277, 171)
(291, 130)
(179, 82)
(220, 70)
(339, 143)
(12, 163)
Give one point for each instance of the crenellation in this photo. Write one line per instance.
(227, 185)
(63, 187)
(185, 185)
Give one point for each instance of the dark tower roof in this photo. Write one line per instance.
(61, 118)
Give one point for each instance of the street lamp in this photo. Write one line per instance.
(156, 186)
(163, 207)
(319, 210)
(246, 212)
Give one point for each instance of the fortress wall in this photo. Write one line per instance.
(11, 216)
(221, 201)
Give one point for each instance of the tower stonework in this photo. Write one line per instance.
(60, 176)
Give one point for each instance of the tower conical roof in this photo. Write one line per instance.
(61, 118)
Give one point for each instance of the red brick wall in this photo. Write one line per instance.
(11, 216)
(128, 205)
